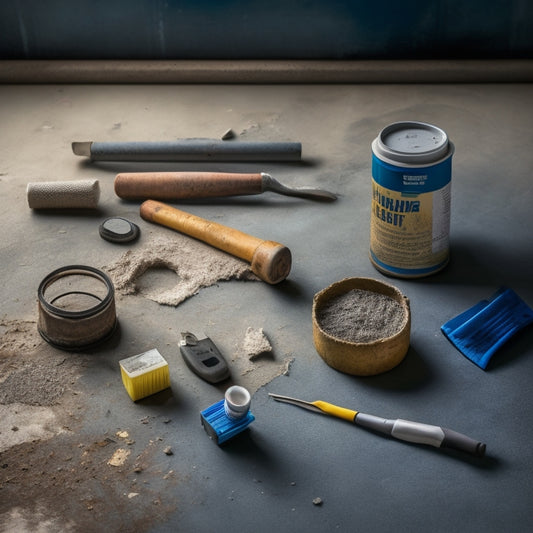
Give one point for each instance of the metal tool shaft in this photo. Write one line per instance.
(271, 184)
(189, 150)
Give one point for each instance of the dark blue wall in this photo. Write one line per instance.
(255, 29)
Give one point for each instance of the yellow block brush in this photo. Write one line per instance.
(144, 374)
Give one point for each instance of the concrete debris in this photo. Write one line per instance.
(256, 343)
(119, 457)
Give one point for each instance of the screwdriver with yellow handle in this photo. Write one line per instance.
(399, 429)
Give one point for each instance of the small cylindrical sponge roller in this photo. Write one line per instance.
(79, 194)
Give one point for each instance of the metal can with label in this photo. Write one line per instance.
(411, 193)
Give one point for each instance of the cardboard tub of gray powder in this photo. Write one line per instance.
(361, 326)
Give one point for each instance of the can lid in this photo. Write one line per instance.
(119, 230)
(412, 142)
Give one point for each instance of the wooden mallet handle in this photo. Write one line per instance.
(270, 261)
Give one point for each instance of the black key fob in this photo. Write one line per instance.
(203, 358)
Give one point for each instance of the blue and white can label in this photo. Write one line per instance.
(411, 192)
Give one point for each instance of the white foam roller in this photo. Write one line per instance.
(79, 194)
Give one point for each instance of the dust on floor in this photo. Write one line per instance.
(52, 477)
(195, 265)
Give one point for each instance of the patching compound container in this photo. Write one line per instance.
(411, 189)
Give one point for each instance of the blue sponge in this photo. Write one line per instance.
(219, 426)
(481, 330)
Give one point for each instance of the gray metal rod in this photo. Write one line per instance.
(190, 150)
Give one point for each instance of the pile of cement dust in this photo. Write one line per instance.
(196, 265)
(29, 375)
(18, 336)
(33, 379)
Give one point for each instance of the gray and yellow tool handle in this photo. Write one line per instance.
(421, 433)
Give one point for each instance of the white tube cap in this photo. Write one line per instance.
(237, 402)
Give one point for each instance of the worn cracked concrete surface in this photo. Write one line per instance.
(77, 455)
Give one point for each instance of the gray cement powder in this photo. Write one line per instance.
(196, 265)
(29, 373)
(361, 316)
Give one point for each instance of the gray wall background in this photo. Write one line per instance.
(255, 29)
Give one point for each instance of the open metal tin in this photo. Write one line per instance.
(76, 308)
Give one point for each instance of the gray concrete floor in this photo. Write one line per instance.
(58, 437)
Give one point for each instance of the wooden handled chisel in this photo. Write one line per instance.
(400, 429)
(188, 185)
